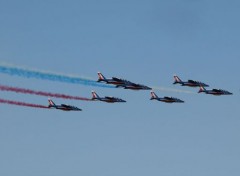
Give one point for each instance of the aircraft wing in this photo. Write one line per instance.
(192, 81)
(76, 108)
(118, 79)
(168, 98)
(66, 106)
(115, 99)
(111, 98)
(225, 92)
(140, 85)
(134, 84)
(69, 106)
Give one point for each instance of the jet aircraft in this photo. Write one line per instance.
(189, 83)
(122, 83)
(214, 91)
(106, 99)
(165, 99)
(62, 107)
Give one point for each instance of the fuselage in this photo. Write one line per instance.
(217, 93)
(168, 100)
(65, 108)
(112, 81)
(110, 100)
(190, 84)
(136, 87)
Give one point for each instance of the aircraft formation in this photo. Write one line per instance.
(114, 81)
(125, 84)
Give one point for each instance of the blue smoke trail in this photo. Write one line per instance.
(12, 70)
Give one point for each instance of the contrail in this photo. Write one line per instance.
(165, 89)
(22, 104)
(28, 73)
(41, 93)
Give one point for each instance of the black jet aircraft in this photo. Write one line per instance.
(214, 91)
(189, 83)
(165, 99)
(122, 83)
(62, 107)
(107, 98)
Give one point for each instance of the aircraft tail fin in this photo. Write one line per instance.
(94, 95)
(177, 79)
(101, 77)
(51, 103)
(202, 89)
(153, 95)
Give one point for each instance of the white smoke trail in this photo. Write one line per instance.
(166, 89)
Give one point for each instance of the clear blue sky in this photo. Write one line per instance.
(143, 41)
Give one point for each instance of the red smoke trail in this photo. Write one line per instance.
(22, 104)
(47, 94)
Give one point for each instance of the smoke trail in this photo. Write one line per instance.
(23, 72)
(41, 93)
(22, 104)
(165, 89)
